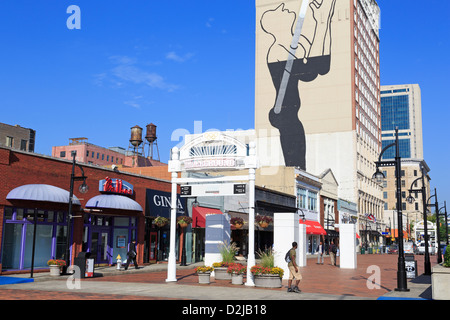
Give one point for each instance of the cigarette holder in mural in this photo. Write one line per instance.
(299, 59)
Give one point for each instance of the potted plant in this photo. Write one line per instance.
(227, 251)
(237, 271)
(237, 222)
(183, 221)
(204, 274)
(55, 266)
(160, 221)
(267, 275)
(263, 221)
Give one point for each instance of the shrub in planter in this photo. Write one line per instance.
(447, 258)
(160, 221)
(263, 221)
(183, 221)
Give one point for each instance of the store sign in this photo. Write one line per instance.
(116, 186)
(213, 151)
(213, 189)
(158, 204)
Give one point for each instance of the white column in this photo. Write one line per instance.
(285, 231)
(251, 218)
(347, 246)
(172, 266)
(302, 245)
(251, 228)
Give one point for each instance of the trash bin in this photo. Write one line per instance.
(85, 264)
(363, 251)
(370, 250)
(410, 266)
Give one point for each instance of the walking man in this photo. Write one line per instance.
(294, 274)
(132, 254)
(320, 253)
(333, 251)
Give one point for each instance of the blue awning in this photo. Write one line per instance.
(113, 201)
(41, 192)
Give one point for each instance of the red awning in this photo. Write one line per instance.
(313, 227)
(199, 216)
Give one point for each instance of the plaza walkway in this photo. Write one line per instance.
(320, 282)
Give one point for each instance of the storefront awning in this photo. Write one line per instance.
(199, 216)
(41, 192)
(113, 201)
(313, 227)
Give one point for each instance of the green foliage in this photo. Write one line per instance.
(228, 251)
(267, 258)
(447, 258)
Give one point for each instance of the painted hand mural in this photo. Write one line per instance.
(298, 59)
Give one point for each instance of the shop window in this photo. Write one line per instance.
(19, 214)
(8, 213)
(50, 215)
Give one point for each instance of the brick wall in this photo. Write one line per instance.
(20, 168)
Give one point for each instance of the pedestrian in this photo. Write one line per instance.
(294, 274)
(333, 251)
(131, 255)
(320, 250)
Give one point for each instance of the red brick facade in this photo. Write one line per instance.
(19, 168)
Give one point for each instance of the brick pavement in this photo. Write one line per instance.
(324, 279)
(320, 279)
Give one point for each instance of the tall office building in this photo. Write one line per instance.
(317, 94)
(401, 108)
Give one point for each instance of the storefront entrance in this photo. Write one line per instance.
(100, 246)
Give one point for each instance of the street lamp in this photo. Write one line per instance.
(410, 199)
(83, 189)
(378, 176)
(438, 236)
(446, 221)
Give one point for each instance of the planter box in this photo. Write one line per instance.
(440, 282)
(55, 271)
(268, 281)
(237, 279)
(204, 278)
(221, 274)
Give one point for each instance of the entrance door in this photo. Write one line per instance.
(100, 246)
(153, 247)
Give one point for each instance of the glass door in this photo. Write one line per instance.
(100, 246)
(153, 248)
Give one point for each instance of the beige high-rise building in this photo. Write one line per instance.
(401, 108)
(317, 94)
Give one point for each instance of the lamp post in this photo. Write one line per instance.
(379, 176)
(83, 189)
(438, 237)
(446, 222)
(436, 206)
(410, 199)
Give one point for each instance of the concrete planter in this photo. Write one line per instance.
(204, 277)
(440, 282)
(55, 271)
(221, 274)
(237, 279)
(268, 281)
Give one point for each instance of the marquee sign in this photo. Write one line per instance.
(213, 151)
(116, 186)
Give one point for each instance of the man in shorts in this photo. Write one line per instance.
(294, 274)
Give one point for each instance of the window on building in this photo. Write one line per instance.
(103, 157)
(416, 206)
(62, 154)
(385, 195)
(415, 173)
(9, 141)
(312, 201)
(301, 198)
(403, 205)
(403, 182)
(87, 153)
(107, 158)
(23, 145)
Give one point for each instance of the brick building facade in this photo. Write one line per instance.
(18, 168)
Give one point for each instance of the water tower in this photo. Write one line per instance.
(135, 142)
(151, 138)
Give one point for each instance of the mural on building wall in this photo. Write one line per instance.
(294, 57)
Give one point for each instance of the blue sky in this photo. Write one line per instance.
(176, 62)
